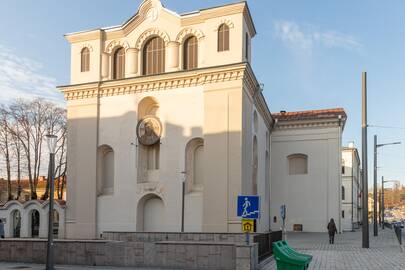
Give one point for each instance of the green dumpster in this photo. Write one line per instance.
(295, 252)
(288, 259)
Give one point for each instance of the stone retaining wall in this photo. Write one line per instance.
(175, 236)
(188, 255)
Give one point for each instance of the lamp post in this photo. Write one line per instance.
(382, 199)
(183, 195)
(376, 146)
(51, 139)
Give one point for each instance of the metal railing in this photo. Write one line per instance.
(398, 232)
(265, 241)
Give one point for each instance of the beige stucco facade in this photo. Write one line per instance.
(215, 127)
(312, 190)
(351, 188)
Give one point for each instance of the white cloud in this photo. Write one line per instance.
(307, 36)
(22, 77)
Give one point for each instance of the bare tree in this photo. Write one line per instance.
(17, 152)
(30, 118)
(56, 124)
(5, 146)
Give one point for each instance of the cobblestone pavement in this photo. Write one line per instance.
(384, 252)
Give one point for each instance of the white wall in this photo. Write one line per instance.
(181, 113)
(314, 198)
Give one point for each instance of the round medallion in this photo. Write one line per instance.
(149, 130)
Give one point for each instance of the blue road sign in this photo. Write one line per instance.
(249, 207)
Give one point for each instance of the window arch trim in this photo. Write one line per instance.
(190, 53)
(85, 60)
(223, 38)
(118, 69)
(149, 34)
(297, 169)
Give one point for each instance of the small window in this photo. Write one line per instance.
(343, 193)
(85, 60)
(247, 46)
(119, 64)
(298, 164)
(343, 213)
(223, 38)
(190, 53)
(343, 167)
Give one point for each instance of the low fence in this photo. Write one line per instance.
(265, 242)
(186, 255)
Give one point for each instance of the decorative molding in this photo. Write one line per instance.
(155, 188)
(161, 82)
(38, 203)
(86, 45)
(306, 124)
(226, 21)
(188, 32)
(115, 43)
(151, 32)
(168, 81)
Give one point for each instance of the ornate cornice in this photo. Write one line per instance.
(173, 80)
(308, 124)
(160, 82)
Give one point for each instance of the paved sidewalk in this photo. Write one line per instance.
(384, 252)
(13, 266)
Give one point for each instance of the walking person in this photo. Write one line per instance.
(1, 229)
(332, 231)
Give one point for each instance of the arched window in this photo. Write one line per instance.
(35, 223)
(119, 64)
(151, 214)
(297, 164)
(85, 60)
(343, 193)
(15, 224)
(223, 38)
(190, 53)
(194, 164)
(255, 164)
(154, 56)
(343, 166)
(105, 170)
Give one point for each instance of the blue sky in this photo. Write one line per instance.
(309, 55)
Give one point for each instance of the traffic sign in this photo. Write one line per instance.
(248, 225)
(249, 207)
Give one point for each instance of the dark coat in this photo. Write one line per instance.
(332, 228)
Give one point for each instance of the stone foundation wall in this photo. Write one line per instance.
(188, 255)
(174, 236)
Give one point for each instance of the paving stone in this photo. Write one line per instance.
(347, 253)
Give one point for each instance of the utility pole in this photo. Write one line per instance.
(376, 146)
(365, 233)
(379, 208)
(382, 202)
(375, 188)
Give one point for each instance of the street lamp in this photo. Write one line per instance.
(376, 146)
(382, 198)
(183, 195)
(51, 140)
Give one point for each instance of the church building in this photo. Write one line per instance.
(160, 100)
